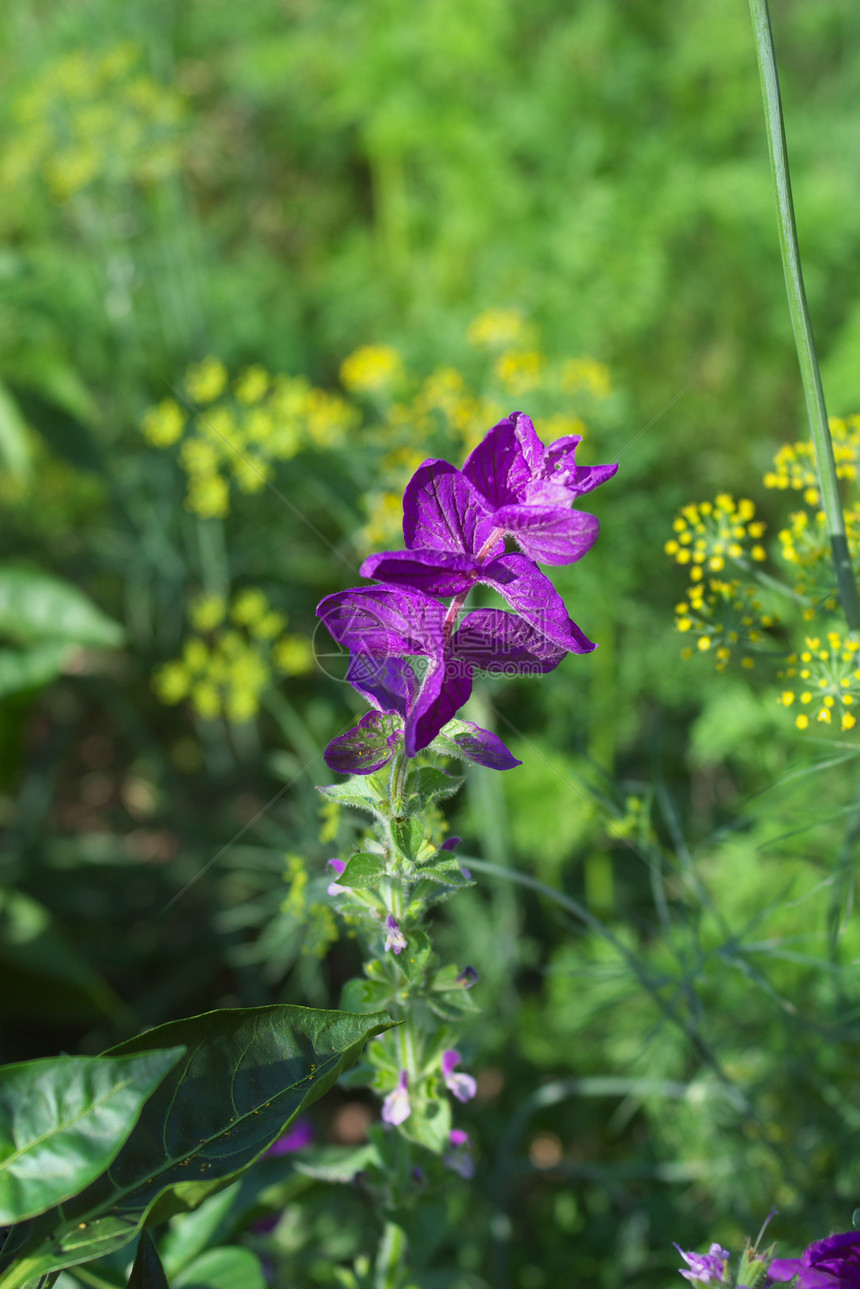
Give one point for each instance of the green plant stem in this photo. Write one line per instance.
(803, 339)
(391, 1257)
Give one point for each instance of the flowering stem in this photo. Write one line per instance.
(803, 339)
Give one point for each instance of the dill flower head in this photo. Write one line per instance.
(226, 668)
(372, 369)
(520, 370)
(712, 532)
(496, 329)
(586, 374)
(725, 618)
(824, 680)
(794, 464)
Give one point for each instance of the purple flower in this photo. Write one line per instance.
(468, 977)
(459, 1157)
(833, 1263)
(706, 1268)
(337, 866)
(462, 1086)
(394, 939)
(396, 1107)
(452, 545)
(300, 1135)
(385, 628)
(528, 488)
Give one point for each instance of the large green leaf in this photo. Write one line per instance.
(63, 1121)
(246, 1074)
(38, 608)
(147, 1272)
(15, 450)
(228, 1267)
(31, 668)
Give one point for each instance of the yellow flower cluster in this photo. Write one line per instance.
(825, 680)
(238, 434)
(92, 117)
(794, 464)
(317, 920)
(373, 369)
(708, 534)
(448, 417)
(725, 617)
(227, 666)
(806, 544)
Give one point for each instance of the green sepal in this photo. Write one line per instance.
(362, 870)
(408, 836)
(361, 791)
(430, 1125)
(428, 784)
(414, 958)
(367, 995)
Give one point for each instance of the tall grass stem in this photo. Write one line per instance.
(803, 338)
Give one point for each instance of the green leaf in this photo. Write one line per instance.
(362, 870)
(37, 608)
(229, 1267)
(147, 1272)
(64, 1120)
(14, 439)
(427, 784)
(408, 836)
(367, 995)
(413, 959)
(338, 1163)
(432, 1127)
(361, 792)
(446, 869)
(23, 669)
(43, 975)
(247, 1073)
(190, 1233)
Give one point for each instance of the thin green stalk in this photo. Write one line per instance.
(803, 339)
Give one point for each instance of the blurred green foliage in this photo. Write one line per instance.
(275, 186)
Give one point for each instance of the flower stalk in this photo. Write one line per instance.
(802, 326)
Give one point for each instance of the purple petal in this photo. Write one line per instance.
(535, 599)
(451, 844)
(468, 977)
(550, 534)
(497, 642)
(459, 1138)
(442, 695)
(396, 1107)
(783, 1269)
(462, 1086)
(498, 467)
(300, 1135)
(388, 683)
(450, 1059)
(443, 511)
(561, 467)
(383, 621)
(434, 572)
(365, 748)
(477, 745)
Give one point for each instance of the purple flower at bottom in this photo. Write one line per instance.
(461, 1086)
(396, 1107)
(459, 1157)
(300, 1135)
(394, 937)
(468, 977)
(705, 1268)
(832, 1263)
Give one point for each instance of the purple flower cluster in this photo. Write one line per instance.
(832, 1263)
(411, 654)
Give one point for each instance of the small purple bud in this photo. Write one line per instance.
(394, 939)
(451, 844)
(459, 1137)
(468, 977)
(419, 1176)
(396, 1107)
(461, 1086)
(337, 866)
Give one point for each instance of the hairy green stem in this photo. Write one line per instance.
(803, 339)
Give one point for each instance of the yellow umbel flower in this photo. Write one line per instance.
(586, 374)
(712, 532)
(726, 617)
(496, 329)
(826, 678)
(372, 369)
